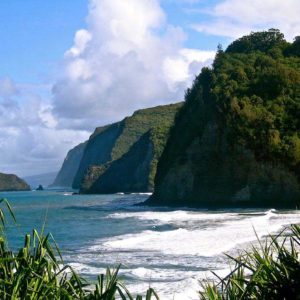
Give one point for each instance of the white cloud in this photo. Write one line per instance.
(7, 88)
(234, 18)
(182, 1)
(127, 58)
(187, 62)
(82, 38)
(29, 140)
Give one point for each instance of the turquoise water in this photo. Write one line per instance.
(171, 250)
(74, 220)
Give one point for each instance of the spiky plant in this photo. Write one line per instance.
(269, 271)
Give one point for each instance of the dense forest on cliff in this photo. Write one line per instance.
(256, 89)
(251, 95)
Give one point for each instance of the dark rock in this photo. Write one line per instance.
(40, 188)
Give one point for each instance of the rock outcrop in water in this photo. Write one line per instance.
(11, 182)
(236, 140)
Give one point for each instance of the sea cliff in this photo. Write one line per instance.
(120, 157)
(236, 140)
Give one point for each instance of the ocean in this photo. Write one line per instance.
(168, 249)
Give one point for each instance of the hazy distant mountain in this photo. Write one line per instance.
(41, 179)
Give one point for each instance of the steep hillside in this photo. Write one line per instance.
(98, 149)
(236, 140)
(134, 171)
(11, 182)
(70, 166)
(121, 148)
(128, 174)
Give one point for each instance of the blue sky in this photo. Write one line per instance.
(34, 35)
(69, 66)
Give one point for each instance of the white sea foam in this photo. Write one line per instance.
(181, 290)
(173, 216)
(86, 269)
(221, 236)
(141, 194)
(173, 261)
(173, 284)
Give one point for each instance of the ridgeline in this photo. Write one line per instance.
(121, 157)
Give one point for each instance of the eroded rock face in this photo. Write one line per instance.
(124, 154)
(131, 160)
(211, 173)
(130, 173)
(98, 150)
(11, 182)
(70, 166)
(120, 157)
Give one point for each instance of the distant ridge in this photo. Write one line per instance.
(44, 179)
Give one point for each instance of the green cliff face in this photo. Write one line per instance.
(70, 166)
(130, 173)
(236, 140)
(98, 150)
(122, 157)
(11, 182)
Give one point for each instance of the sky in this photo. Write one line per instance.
(69, 66)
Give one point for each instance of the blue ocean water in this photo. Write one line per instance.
(169, 249)
(74, 220)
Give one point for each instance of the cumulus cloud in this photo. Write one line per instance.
(234, 18)
(29, 140)
(129, 57)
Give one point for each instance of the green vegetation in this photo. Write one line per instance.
(160, 118)
(271, 271)
(11, 182)
(256, 89)
(243, 117)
